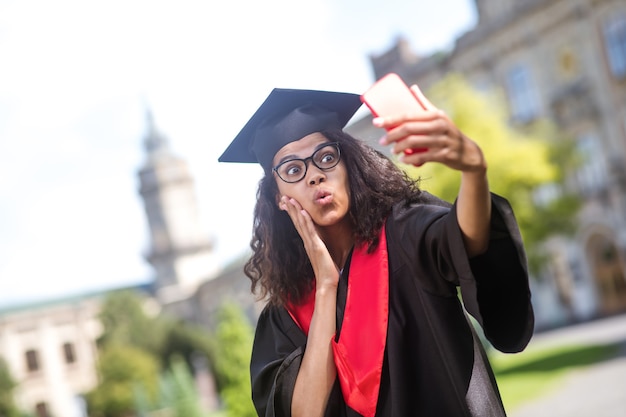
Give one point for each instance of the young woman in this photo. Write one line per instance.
(361, 268)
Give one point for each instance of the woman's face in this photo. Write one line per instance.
(324, 194)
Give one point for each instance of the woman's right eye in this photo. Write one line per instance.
(292, 170)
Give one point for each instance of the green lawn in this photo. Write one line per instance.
(538, 371)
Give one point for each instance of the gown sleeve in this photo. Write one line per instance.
(494, 286)
(276, 356)
(496, 292)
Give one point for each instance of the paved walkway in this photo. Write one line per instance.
(595, 391)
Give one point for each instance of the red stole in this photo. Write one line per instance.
(359, 352)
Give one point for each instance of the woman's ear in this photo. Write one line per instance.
(280, 203)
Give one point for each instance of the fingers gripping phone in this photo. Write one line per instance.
(390, 96)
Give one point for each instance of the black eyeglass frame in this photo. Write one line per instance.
(310, 158)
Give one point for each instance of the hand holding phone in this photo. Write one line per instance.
(390, 96)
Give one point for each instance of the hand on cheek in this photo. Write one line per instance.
(287, 203)
(300, 218)
(282, 205)
(293, 208)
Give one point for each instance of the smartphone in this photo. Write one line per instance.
(390, 96)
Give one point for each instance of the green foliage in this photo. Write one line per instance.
(7, 385)
(172, 347)
(121, 369)
(179, 387)
(234, 338)
(520, 161)
(125, 322)
(187, 341)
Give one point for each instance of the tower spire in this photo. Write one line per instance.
(154, 141)
(180, 252)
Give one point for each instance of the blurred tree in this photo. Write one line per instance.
(234, 338)
(125, 321)
(7, 385)
(524, 163)
(171, 341)
(188, 341)
(180, 382)
(121, 369)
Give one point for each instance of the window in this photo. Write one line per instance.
(41, 410)
(522, 94)
(615, 42)
(32, 360)
(568, 65)
(592, 173)
(69, 353)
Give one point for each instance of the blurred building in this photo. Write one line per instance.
(189, 282)
(562, 59)
(50, 350)
(180, 252)
(232, 286)
(565, 60)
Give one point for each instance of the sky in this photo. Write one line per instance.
(77, 78)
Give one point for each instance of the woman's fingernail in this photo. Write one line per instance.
(383, 140)
(377, 121)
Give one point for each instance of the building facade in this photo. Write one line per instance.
(180, 252)
(564, 60)
(50, 350)
(188, 281)
(561, 59)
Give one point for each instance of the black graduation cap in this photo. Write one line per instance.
(285, 116)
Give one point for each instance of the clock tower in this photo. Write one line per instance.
(180, 251)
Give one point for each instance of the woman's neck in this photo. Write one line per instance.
(339, 240)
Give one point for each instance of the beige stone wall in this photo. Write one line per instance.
(45, 329)
(561, 46)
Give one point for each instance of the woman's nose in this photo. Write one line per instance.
(315, 175)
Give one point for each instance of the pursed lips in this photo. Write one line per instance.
(323, 197)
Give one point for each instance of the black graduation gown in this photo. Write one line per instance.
(434, 364)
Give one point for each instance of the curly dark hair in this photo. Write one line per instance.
(279, 268)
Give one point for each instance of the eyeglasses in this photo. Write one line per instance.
(293, 170)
